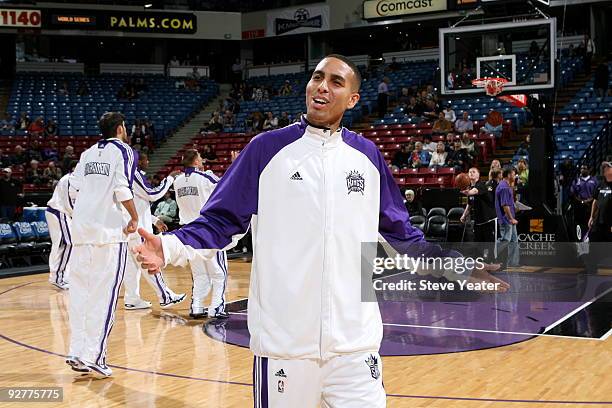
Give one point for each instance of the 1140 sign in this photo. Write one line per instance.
(19, 18)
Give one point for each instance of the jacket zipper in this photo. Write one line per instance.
(324, 161)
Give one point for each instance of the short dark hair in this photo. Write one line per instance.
(142, 155)
(507, 170)
(494, 173)
(351, 65)
(109, 122)
(189, 156)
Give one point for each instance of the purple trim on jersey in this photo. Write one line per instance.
(143, 182)
(191, 170)
(394, 222)
(68, 192)
(112, 305)
(229, 209)
(130, 158)
(53, 211)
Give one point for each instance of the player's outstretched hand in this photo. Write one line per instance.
(131, 227)
(161, 226)
(150, 253)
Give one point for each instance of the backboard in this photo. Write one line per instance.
(521, 52)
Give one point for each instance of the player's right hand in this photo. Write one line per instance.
(131, 227)
(150, 253)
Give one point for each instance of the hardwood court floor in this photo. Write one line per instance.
(165, 360)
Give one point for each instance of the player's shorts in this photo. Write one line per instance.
(346, 381)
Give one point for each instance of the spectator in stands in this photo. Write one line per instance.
(5, 159)
(271, 121)
(37, 127)
(432, 110)
(428, 145)
(404, 97)
(10, 191)
(495, 164)
(34, 175)
(23, 122)
(68, 158)
(581, 192)
(215, 124)
(523, 149)
(237, 70)
(523, 172)
(137, 140)
(468, 144)
(63, 90)
(464, 124)
(19, 156)
(285, 89)
(449, 114)
(383, 97)
(414, 110)
(174, 62)
(192, 82)
(601, 83)
(35, 151)
(283, 120)
(6, 123)
(267, 92)
(457, 158)
(431, 93)
(419, 157)
(228, 119)
(438, 158)
(166, 210)
(413, 206)
(257, 94)
(209, 156)
(401, 158)
(442, 126)
(50, 152)
(155, 180)
(52, 173)
(83, 90)
(450, 141)
(140, 86)
(493, 124)
(51, 129)
(298, 117)
(504, 208)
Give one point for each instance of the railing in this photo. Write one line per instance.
(596, 153)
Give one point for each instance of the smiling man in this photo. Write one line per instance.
(313, 193)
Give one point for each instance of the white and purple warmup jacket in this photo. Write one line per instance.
(62, 199)
(109, 168)
(193, 188)
(312, 198)
(144, 195)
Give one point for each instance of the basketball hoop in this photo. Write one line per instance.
(492, 86)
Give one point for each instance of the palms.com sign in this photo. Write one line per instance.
(389, 8)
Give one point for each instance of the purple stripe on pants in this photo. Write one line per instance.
(264, 382)
(108, 325)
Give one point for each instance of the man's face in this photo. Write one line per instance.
(512, 176)
(409, 197)
(584, 171)
(474, 175)
(457, 145)
(332, 90)
(608, 174)
(143, 162)
(465, 116)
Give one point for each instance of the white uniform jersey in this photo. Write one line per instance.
(193, 188)
(144, 195)
(63, 196)
(104, 179)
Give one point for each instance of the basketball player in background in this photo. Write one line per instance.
(59, 219)
(144, 195)
(103, 178)
(193, 189)
(313, 192)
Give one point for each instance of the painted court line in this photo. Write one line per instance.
(570, 314)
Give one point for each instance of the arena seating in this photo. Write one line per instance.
(162, 103)
(22, 242)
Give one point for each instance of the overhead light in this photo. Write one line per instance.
(148, 5)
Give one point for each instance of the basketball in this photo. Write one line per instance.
(462, 181)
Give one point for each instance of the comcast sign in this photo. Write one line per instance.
(389, 8)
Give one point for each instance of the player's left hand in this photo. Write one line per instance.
(131, 227)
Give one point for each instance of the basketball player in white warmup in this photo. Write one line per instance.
(103, 178)
(59, 220)
(313, 193)
(193, 188)
(144, 195)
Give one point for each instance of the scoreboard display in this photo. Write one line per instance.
(18, 18)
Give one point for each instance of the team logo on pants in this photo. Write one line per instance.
(355, 182)
(372, 362)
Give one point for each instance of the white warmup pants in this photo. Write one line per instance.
(207, 274)
(133, 271)
(346, 381)
(61, 245)
(97, 274)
